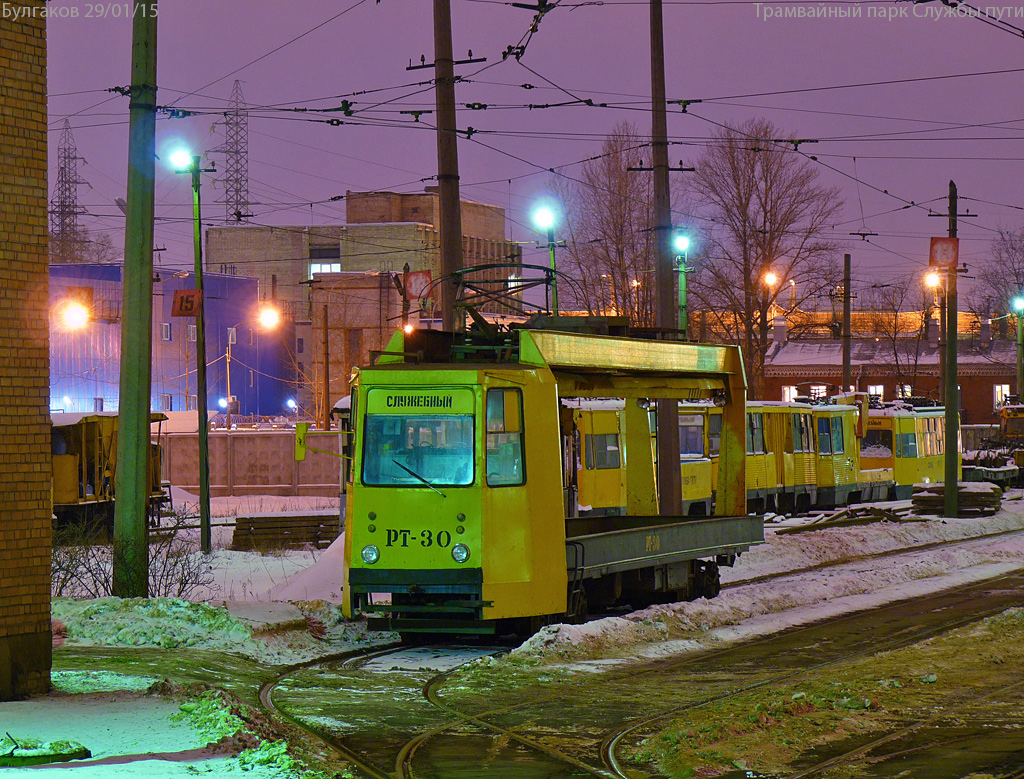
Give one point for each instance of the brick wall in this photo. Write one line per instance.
(24, 364)
(479, 220)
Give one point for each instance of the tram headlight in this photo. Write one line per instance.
(460, 553)
(371, 554)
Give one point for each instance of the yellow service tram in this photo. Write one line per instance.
(463, 502)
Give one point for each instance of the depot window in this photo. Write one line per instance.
(505, 438)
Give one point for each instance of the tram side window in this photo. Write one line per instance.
(838, 446)
(802, 433)
(602, 451)
(824, 435)
(755, 434)
(691, 435)
(505, 438)
(714, 435)
(349, 440)
(876, 444)
(906, 445)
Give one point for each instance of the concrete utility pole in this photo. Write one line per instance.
(325, 396)
(669, 489)
(131, 485)
(847, 335)
(450, 228)
(952, 462)
(196, 170)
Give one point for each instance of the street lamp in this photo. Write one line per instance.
(934, 281)
(76, 316)
(184, 162)
(1018, 306)
(681, 243)
(544, 218)
(771, 280)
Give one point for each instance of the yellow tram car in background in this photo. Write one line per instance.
(909, 442)
(462, 505)
(83, 450)
(799, 456)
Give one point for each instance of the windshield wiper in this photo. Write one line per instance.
(411, 472)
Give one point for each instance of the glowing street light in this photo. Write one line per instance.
(268, 319)
(932, 280)
(771, 279)
(544, 219)
(76, 316)
(681, 243)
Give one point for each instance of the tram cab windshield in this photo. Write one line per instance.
(406, 444)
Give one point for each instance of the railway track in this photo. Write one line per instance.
(523, 728)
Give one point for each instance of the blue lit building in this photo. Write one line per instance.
(85, 359)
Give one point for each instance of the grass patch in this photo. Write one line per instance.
(766, 729)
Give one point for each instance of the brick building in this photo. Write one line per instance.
(907, 366)
(303, 268)
(25, 654)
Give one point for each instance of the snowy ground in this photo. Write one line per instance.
(278, 609)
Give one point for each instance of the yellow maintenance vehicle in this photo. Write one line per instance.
(462, 511)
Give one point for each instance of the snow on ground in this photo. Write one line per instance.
(251, 595)
(745, 611)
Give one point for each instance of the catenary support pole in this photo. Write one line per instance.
(325, 398)
(669, 489)
(131, 482)
(1020, 355)
(202, 401)
(450, 228)
(952, 460)
(847, 335)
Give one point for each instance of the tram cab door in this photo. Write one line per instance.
(571, 459)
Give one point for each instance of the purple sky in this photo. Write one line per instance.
(908, 139)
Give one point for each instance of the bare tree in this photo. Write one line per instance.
(766, 211)
(85, 246)
(1000, 279)
(903, 346)
(609, 249)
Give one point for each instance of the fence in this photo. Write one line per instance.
(253, 462)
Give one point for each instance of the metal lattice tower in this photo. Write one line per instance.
(236, 151)
(65, 232)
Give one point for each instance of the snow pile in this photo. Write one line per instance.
(257, 630)
(803, 550)
(747, 610)
(169, 623)
(72, 682)
(323, 580)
